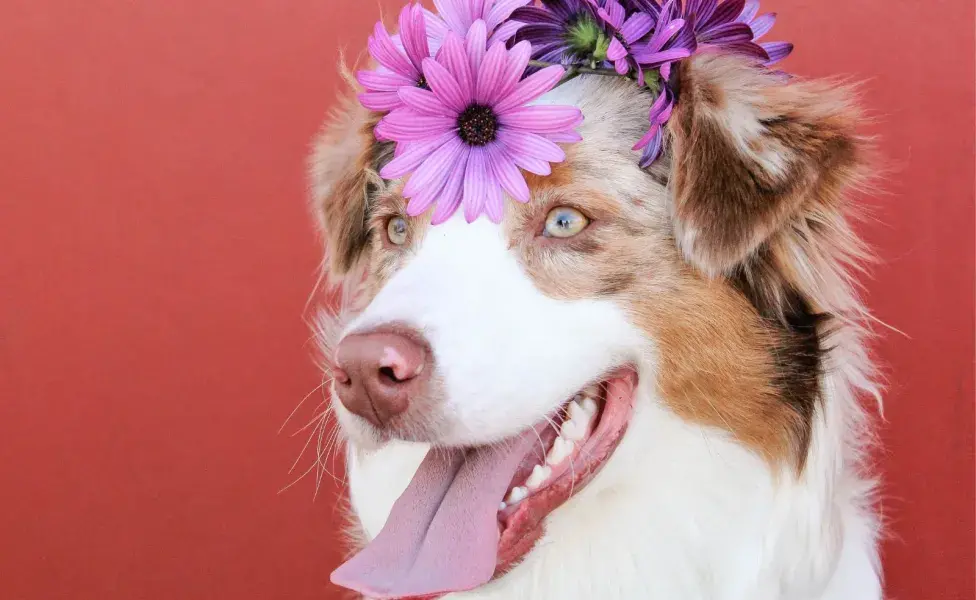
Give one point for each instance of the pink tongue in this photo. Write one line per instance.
(442, 534)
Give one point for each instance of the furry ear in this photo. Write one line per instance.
(756, 160)
(343, 168)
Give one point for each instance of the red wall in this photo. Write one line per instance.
(156, 257)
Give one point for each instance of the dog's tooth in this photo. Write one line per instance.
(576, 412)
(561, 449)
(589, 406)
(502, 507)
(516, 495)
(573, 430)
(538, 477)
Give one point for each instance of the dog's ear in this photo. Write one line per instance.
(759, 164)
(344, 177)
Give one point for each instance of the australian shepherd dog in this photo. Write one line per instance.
(644, 383)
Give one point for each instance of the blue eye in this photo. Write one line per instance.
(565, 222)
(396, 230)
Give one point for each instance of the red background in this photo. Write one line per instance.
(156, 257)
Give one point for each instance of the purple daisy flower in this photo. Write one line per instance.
(470, 133)
(715, 25)
(399, 61)
(760, 26)
(627, 31)
(673, 39)
(421, 33)
(563, 31)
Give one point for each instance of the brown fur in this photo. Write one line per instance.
(751, 154)
(715, 354)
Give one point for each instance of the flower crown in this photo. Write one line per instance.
(457, 85)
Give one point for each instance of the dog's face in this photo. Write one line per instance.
(701, 280)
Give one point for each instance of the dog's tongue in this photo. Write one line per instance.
(442, 533)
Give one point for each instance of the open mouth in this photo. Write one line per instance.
(470, 514)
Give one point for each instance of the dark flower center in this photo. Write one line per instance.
(477, 125)
(422, 83)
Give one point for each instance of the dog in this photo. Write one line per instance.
(644, 383)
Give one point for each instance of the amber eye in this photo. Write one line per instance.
(565, 222)
(396, 230)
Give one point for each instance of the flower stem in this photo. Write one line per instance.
(576, 70)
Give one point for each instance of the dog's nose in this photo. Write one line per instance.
(379, 374)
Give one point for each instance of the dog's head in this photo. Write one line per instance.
(702, 284)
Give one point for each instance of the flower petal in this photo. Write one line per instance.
(777, 51)
(455, 58)
(659, 58)
(726, 12)
(749, 48)
(505, 32)
(636, 27)
(491, 70)
(382, 81)
(413, 34)
(648, 137)
(476, 184)
(564, 137)
(380, 101)
(533, 165)
(541, 33)
(530, 88)
(475, 45)
(425, 102)
(511, 73)
(542, 119)
(453, 14)
(495, 208)
(494, 195)
(531, 145)
(501, 11)
(653, 149)
(419, 203)
(443, 84)
(507, 174)
(436, 27)
(450, 196)
(726, 34)
(532, 14)
(613, 13)
(749, 11)
(663, 34)
(616, 50)
(762, 25)
(411, 158)
(382, 48)
(435, 168)
(406, 125)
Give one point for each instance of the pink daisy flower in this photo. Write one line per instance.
(400, 60)
(421, 34)
(464, 140)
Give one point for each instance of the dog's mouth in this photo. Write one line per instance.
(470, 514)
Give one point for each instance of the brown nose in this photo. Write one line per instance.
(379, 373)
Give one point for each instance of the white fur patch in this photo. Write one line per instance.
(506, 354)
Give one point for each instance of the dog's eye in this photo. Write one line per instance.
(564, 222)
(396, 230)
